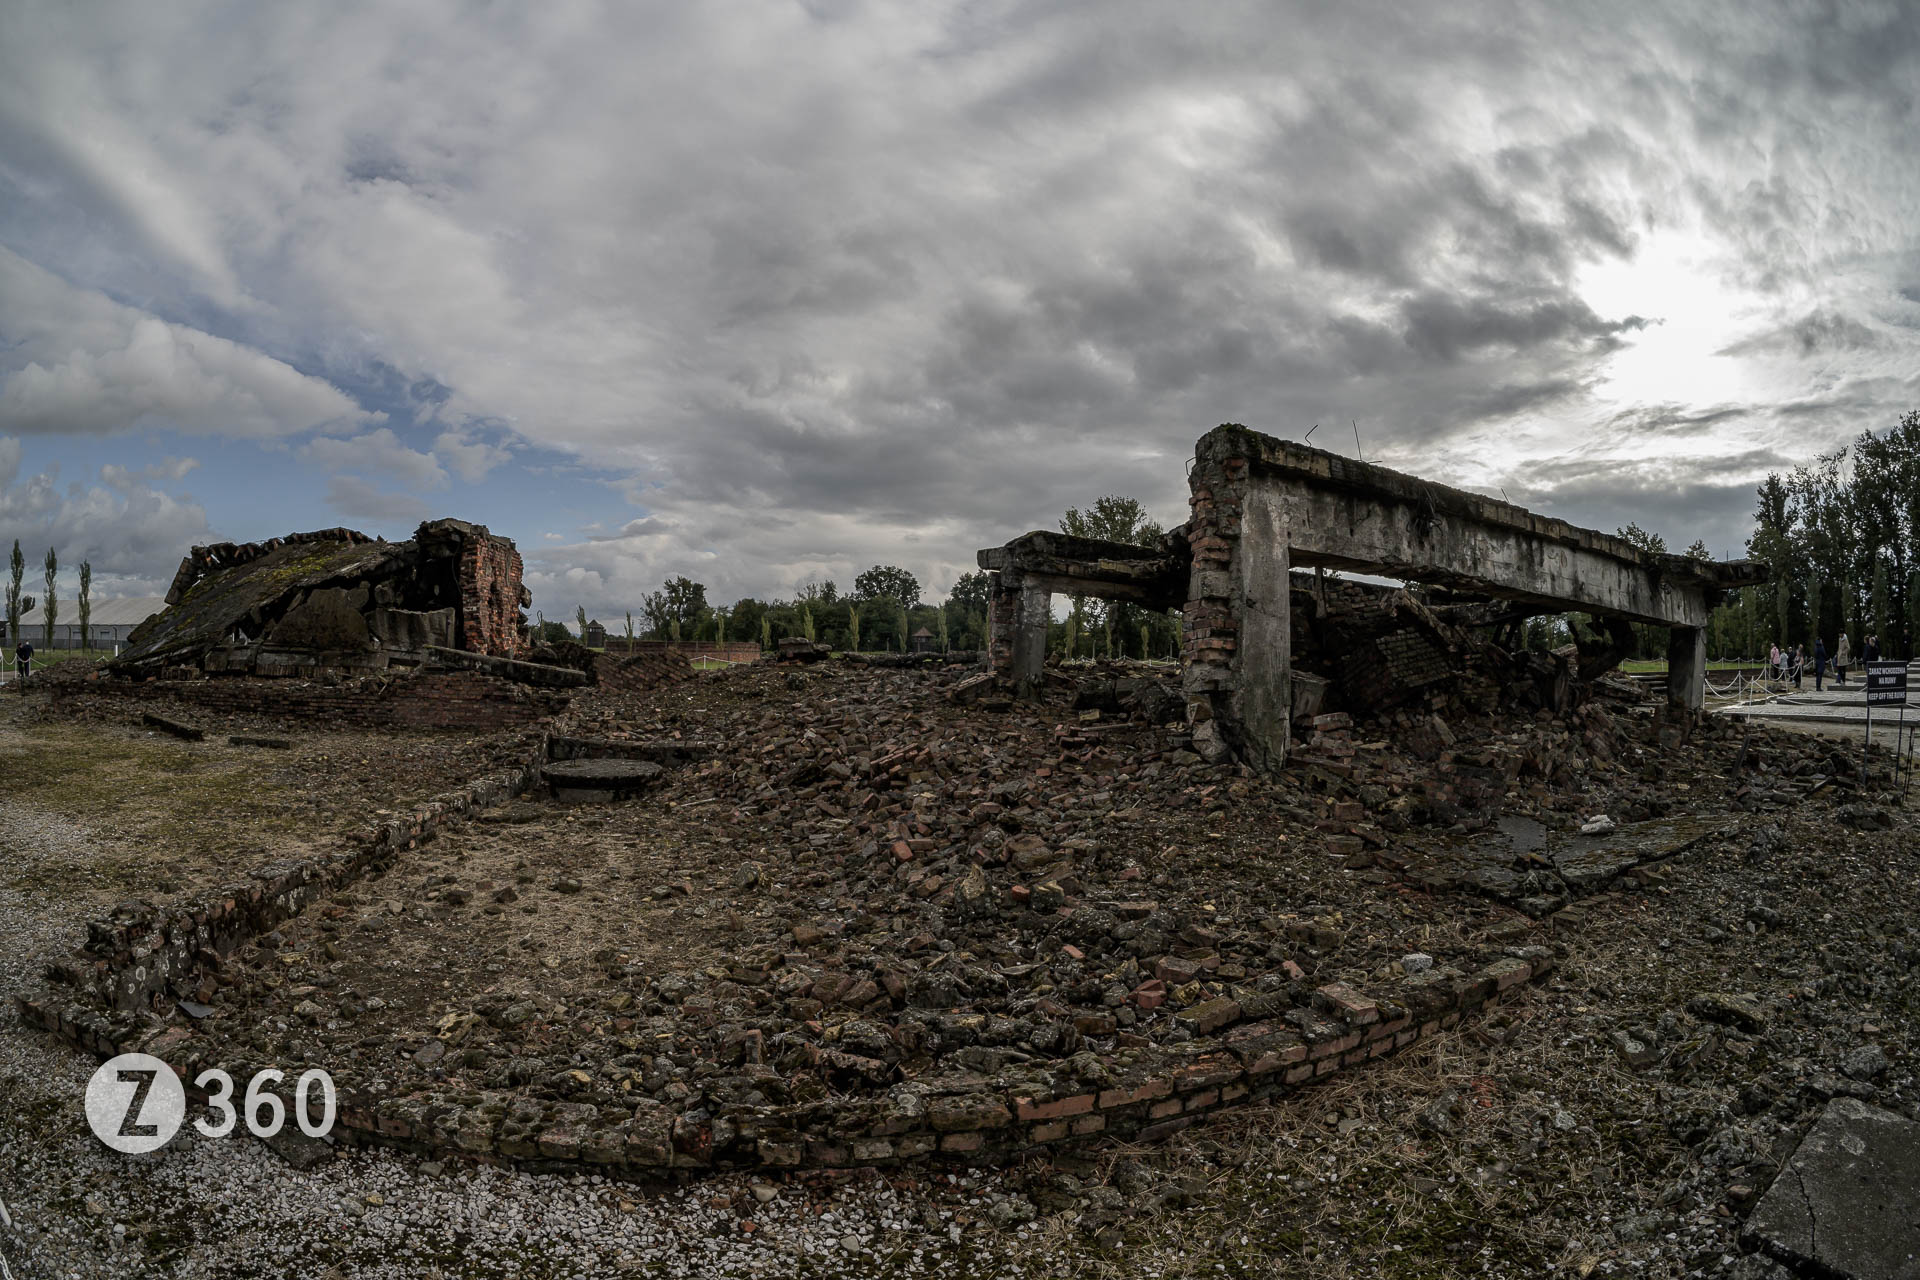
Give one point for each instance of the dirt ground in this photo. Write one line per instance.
(175, 818)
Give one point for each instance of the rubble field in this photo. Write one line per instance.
(884, 862)
(864, 888)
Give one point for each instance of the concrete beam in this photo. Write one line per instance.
(1154, 577)
(1354, 515)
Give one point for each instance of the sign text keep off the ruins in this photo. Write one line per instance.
(1886, 683)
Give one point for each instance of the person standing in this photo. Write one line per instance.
(1819, 661)
(1773, 662)
(23, 661)
(1870, 652)
(1842, 659)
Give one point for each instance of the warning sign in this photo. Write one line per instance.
(1886, 683)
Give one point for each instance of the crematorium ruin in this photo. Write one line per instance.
(337, 599)
(1263, 507)
(594, 911)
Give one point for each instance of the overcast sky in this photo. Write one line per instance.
(763, 292)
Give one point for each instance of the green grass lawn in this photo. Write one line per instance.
(1645, 666)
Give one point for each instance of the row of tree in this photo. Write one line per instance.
(19, 605)
(884, 610)
(1843, 537)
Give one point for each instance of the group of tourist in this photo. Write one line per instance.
(1785, 664)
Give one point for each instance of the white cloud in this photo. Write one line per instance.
(378, 452)
(468, 458)
(948, 269)
(75, 362)
(130, 530)
(357, 499)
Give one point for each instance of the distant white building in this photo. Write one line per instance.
(109, 624)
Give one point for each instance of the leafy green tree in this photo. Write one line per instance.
(853, 629)
(677, 604)
(580, 617)
(886, 581)
(965, 611)
(745, 618)
(1111, 518)
(1882, 614)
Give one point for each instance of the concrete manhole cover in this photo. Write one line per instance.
(597, 781)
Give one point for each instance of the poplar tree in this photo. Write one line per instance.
(86, 604)
(53, 605)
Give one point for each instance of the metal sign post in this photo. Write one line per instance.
(1886, 686)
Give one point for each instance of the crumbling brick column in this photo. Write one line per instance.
(489, 577)
(1236, 634)
(1018, 610)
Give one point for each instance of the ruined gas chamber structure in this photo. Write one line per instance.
(336, 600)
(1274, 630)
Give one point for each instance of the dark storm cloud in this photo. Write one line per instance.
(819, 287)
(1818, 333)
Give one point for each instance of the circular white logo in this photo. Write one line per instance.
(135, 1103)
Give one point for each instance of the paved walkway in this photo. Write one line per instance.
(1841, 707)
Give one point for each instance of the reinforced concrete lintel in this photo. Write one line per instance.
(1355, 515)
(1062, 563)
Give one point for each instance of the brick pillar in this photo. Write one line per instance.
(1003, 603)
(1210, 626)
(1018, 611)
(489, 577)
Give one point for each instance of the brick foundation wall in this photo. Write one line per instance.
(424, 700)
(725, 651)
(134, 955)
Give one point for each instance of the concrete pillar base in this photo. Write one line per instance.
(1686, 673)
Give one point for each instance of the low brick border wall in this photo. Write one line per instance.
(399, 698)
(1256, 1049)
(131, 956)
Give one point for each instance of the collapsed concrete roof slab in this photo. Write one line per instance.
(335, 598)
(1844, 1205)
(222, 594)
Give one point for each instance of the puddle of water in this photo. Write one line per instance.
(1525, 835)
